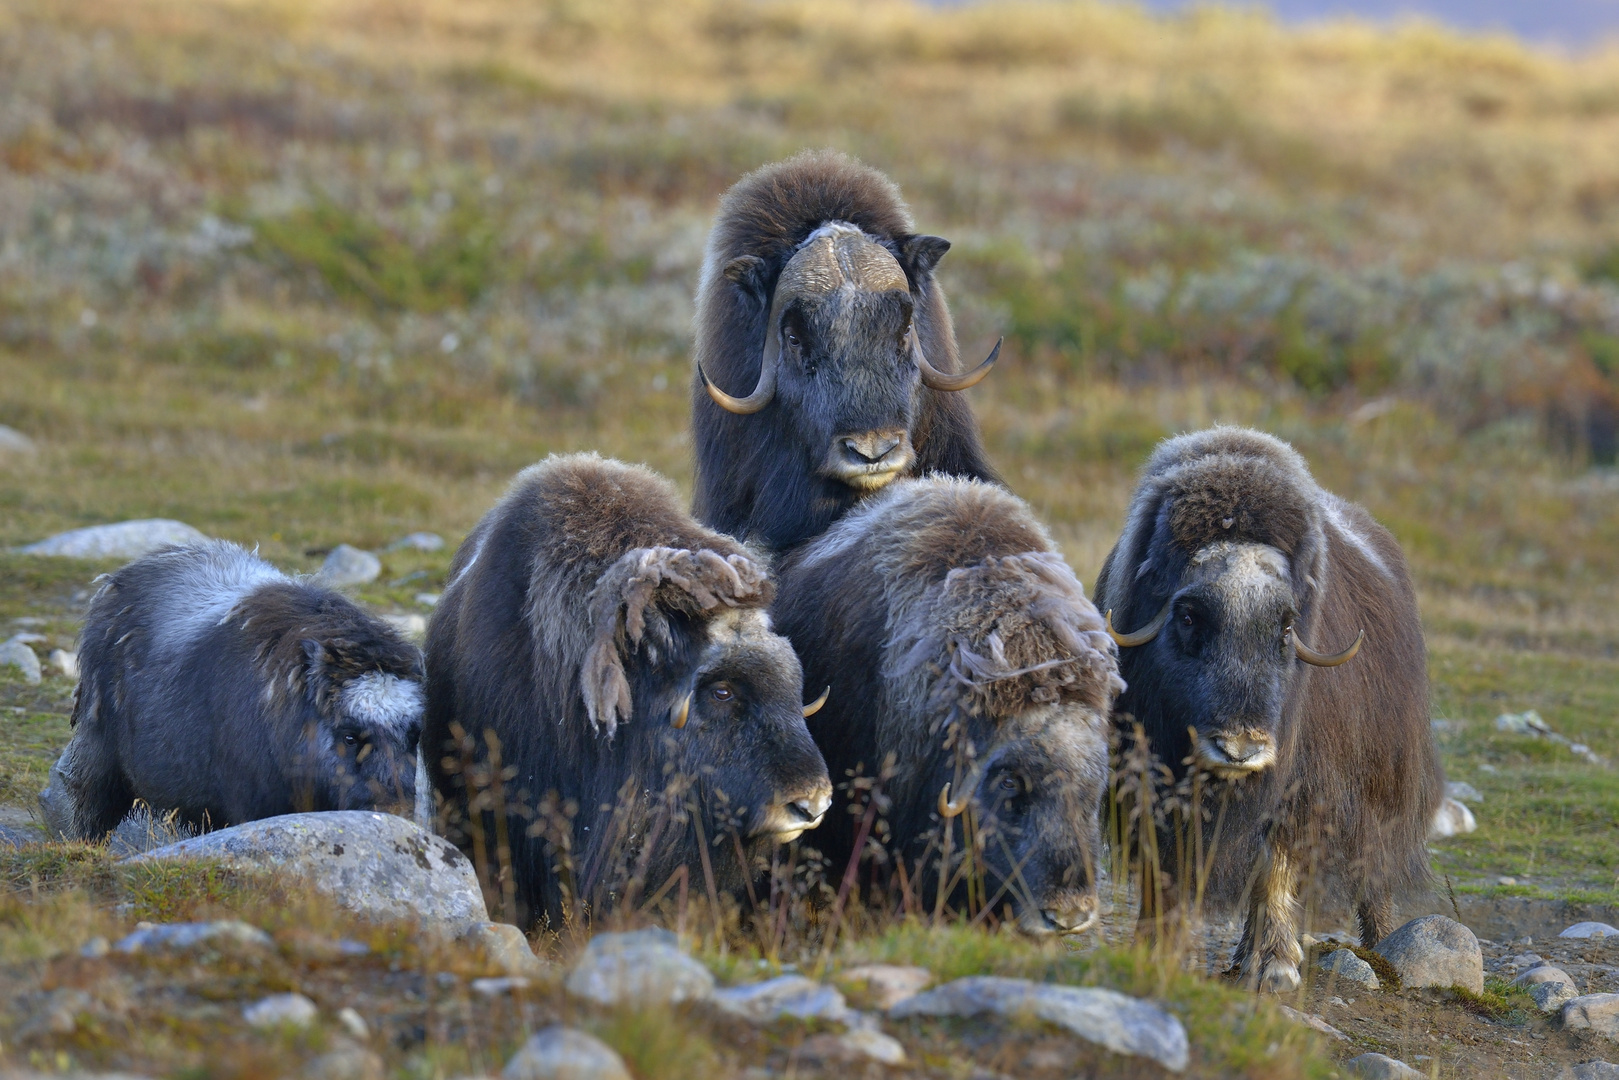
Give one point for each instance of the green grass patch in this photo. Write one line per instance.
(1500, 1001)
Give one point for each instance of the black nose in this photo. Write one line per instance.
(870, 449)
(801, 810)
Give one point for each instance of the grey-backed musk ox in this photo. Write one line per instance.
(609, 646)
(1233, 570)
(818, 306)
(212, 684)
(961, 651)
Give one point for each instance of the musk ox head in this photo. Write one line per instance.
(363, 724)
(683, 647)
(841, 354)
(1214, 583)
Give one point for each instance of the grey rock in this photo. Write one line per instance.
(1123, 1024)
(13, 441)
(1451, 819)
(182, 937)
(16, 836)
(887, 984)
(506, 984)
(17, 654)
(645, 966)
(1594, 1012)
(348, 565)
(418, 541)
(1435, 951)
(1550, 997)
(95, 947)
(55, 805)
(1590, 930)
(376, 865)
(1543, 973)
(1462, 791)
(354, 1023)
(67, 663)
(852, 1048)
(1351, 968)
(428, 599)
(506, 948)
(346, 1063)
(281, 1010)
(1594, 1070)
(561, 1053)
(791, 996)
(1381, 1067)
(123, 540)
(1311, 1021)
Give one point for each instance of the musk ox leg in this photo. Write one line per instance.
(1269, 955)
(95, 787)
(1376, 914)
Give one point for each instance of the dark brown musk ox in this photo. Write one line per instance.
(1234, 568)
(212, 684)
(819, 310)
(962, 657)
(620, 657)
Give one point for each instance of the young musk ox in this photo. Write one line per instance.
(959, 646)
(212, 684)
(611, 646)
(1232, 565)
(818, 302)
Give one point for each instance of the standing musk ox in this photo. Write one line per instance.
(212, 684)
(959, 644)
(611, 645)
(818, 302)
(1234, 567)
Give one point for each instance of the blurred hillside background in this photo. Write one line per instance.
(1572, 24)
(304, 273)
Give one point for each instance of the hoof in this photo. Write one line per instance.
(1280, 977)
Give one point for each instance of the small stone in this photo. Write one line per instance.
(852, 1048)
(1347, 966)
(1550, 997)
(561, 1053)
(95, 947)
(428, 599)
(354, 1023)
(644, 966)
(1435, 951)
(65, 662)
(1311, 1021)
(1462, 791)
(409, 625)
(1505, 880)
(1451, 819)
(1123, 1024)
(281, 1010)
(506, 984)
(791, 996)
(348, 565)
(345, 1063)
(886, 985)
(1381, 1067)
(505, 947)
(1590, 930)
(1594, 1070)
(13, 441)
(418, 541)
(180, 937)
(124, 540)
(1543, 973)
(1524, 960)
(1594, 1012)
(14, 653)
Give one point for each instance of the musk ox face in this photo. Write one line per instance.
(1037, 796)
(366, 741)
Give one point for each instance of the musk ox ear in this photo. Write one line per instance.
(920, 253)
(747, 273)
(641, 590)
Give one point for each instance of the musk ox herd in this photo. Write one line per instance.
(858, 636)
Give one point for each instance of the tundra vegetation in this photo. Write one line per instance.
(305, 275)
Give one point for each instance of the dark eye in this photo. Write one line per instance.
(1186, 619)
(1011, 785)
(350, 738)
(721, 692)
(792, 339)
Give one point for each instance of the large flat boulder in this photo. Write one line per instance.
(376, 865)
(123, 540)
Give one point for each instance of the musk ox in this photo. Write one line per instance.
(818, 303)
(1234, 568)
(610, 646)
(961, 651)
(212, 684)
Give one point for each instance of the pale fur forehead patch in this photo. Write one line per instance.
(1245, 574)
(384, 700)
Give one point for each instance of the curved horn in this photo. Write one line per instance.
(948, 809)
(762, 393)
(679, 716)
(934, 379)
(1310, 656)
(815, 706)
(1142, 636)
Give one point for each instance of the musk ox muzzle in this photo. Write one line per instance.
(868, 460)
